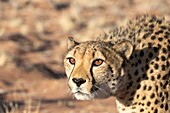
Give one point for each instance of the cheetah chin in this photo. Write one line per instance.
(83, 96)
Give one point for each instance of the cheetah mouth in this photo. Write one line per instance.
(80, 92)
(82, 96)
(97, 91)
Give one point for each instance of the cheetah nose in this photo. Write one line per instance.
(78, 81)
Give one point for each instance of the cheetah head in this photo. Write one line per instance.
(94, 68)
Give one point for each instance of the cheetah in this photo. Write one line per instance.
(131, 63)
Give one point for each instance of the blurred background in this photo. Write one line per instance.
(33, 38)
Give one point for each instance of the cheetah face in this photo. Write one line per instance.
(93, 68)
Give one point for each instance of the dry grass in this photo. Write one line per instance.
(29, 107)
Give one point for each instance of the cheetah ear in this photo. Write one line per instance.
(71, 42)
(125, 48)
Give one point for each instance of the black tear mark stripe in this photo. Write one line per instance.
(91, 72)
(71, 72)
(110, 69)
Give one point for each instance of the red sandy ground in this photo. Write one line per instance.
(33, 37)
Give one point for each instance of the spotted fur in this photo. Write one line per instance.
(135, 69)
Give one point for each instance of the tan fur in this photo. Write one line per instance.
(135, 68)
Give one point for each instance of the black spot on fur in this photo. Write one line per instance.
(146, 35)
(151, 71)
(164, 50)
(130, 83)
(138, 87)
(152, 19)
(142, 110)
(159, 32)
(155, 49)
(152, 78)
(130, 99)
(141, 53)
(159, 21)
(166, 94)
(166, 36)
(159, 46)
(150, 45)
(150, 55)
(160, 39)
(156, 101)
(152, 96)
(144, 87)
(132, 93)
(168, 40)
(156, 110)
(139, 41)
(144, 75)
(136, 64)
(161, 84)
(131, 57)
(162, 106)
(166, 83)
(163, 27)
(149, 88)
(167, 33)
(156, 66)
(144, 97)
(156, 88)
(160, 94)
(152, 62)
(157, 59)
(151, 26)
(163, 99)
(166, 106)
(139, 61)
(163, 58)
(147, 67)
(153, 37)
(145, 24)
(136, 73)
(138, 80)
(158, 76)
(148, 103)
(163, 67)
(168, 46)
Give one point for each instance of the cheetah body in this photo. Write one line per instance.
(141, 82)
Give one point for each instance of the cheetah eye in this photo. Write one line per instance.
(72, 61)
(97, 62)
